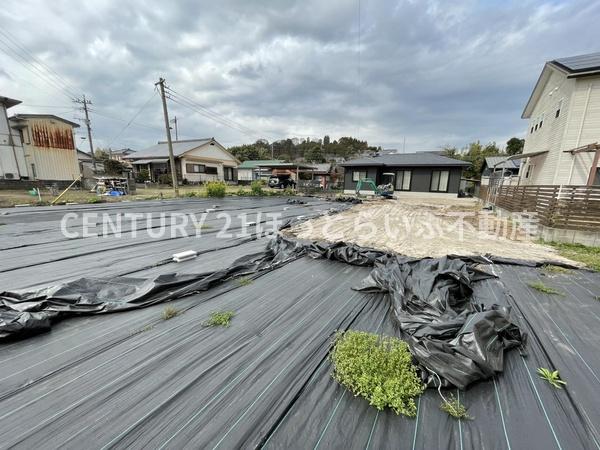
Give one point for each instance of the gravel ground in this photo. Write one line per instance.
(432, 227)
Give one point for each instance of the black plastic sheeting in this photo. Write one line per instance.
(31, 312)
(133, 380)
(453, 339)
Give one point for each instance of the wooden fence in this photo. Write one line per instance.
(571, 207)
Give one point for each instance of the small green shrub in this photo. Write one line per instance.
(219, 319)
(288, 191)
(256, 187)
(380, 369)
(539, 286)
(190, 194)
(241, 192)
(551, 377)
(216, 189)
(142, 176)
(165, 178)
(95, 200)
(169, 312)
(454, 408)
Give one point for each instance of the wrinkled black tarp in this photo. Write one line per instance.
(31, 312)
(451, 337)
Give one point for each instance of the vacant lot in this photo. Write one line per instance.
(422, 228)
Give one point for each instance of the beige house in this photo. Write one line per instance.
(196, 161)
(48, 145)
(563, 133)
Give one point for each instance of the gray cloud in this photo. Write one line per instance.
(432, 72)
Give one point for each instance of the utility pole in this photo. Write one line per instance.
(89, 129)
(161, 83)
(176, 131)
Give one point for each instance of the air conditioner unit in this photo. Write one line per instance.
(9, 176)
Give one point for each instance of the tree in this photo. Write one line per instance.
(514, 146)
(450, 152)
(113, 167)
(101, 154)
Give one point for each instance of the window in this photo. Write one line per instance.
(228, 173)
(536, 127)
(33, 172)
(359, 175)
(403, 178)
(529, 171)
(195, 168)
(531, 130)
(558, 108)
(541, 121)
(210, 170)
(439, 180)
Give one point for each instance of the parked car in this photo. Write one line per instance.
(281, 181)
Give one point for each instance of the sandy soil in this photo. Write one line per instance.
(419, 228)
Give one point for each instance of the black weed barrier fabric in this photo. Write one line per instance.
(31, 312)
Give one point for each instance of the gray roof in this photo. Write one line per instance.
(502, 162)
(9, 102)
(18, 117)
(407, 159)
(579, 63)
(162, 149)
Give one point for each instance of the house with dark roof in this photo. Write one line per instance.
(562, 143)
(500, 167)
(196, 161)
(414, 174)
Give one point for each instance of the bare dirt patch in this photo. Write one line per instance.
(427, 227)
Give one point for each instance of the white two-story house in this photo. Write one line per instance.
(562, 145)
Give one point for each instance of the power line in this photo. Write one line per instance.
(133, 118)
(15, 55)
(37, 60)
(213, 115)
(208, 110)
(119, 119)
(213, 118)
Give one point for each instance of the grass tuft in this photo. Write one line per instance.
(590, 256)
(551, 377)
(539, 286)
(219, 319)
(169, 312)
(555, 269)
(454, 408)
(377, 368)
(245, 281)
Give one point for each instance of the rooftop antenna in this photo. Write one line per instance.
(404, 145)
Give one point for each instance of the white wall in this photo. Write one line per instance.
(245, 174)
(558, 90)
(578, 124)
(12, 158)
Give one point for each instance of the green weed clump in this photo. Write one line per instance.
(551, 377)
(454, 408)
(169, 312)
(256, 187)
(539, 286)
(378, 368)
(590, 256)
(216, 189)
(220, 319)
(245, 281)
(555, 269)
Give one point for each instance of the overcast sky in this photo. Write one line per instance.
(430, 72)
